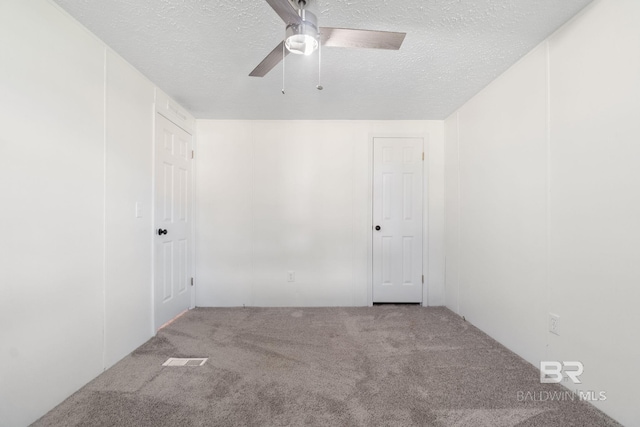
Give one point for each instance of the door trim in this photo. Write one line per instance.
(425, 212)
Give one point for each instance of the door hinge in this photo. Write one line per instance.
(422, 279)
(193, 155)
(192, 281)
(423, 156)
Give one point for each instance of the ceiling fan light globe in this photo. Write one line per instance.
(301, 44)
(303, 38)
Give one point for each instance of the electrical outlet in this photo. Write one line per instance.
(291, 276)
(554, 323)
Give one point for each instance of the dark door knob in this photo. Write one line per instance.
(377, 228)
(161, 231)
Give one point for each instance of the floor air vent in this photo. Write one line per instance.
(177, 361)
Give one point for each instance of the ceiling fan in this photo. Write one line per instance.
(303, 36)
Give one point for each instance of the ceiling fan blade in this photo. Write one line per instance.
(270, 61)
(349, 37)
(285, 11)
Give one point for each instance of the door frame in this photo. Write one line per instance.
(173, 112)
(425, 212)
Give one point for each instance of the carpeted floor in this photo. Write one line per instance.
(375, 366)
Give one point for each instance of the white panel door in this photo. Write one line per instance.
(172, 287)
(397, 220)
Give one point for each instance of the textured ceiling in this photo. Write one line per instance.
(201, 51)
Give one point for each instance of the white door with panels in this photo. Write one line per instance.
(172, 278)
(397, 220)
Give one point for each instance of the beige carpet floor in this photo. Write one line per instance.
(370, 366)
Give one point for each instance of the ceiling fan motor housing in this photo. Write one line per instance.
(302, 38)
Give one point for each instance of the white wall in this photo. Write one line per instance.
(543, 204)
(52, 216)
(76, 126)
(128, 255)
(274, 196)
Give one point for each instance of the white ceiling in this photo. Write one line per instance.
(201, 51)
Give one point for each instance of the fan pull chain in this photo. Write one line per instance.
(319, 86)
(284, 55)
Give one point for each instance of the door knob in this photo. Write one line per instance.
(377, 228)
(161, 231)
